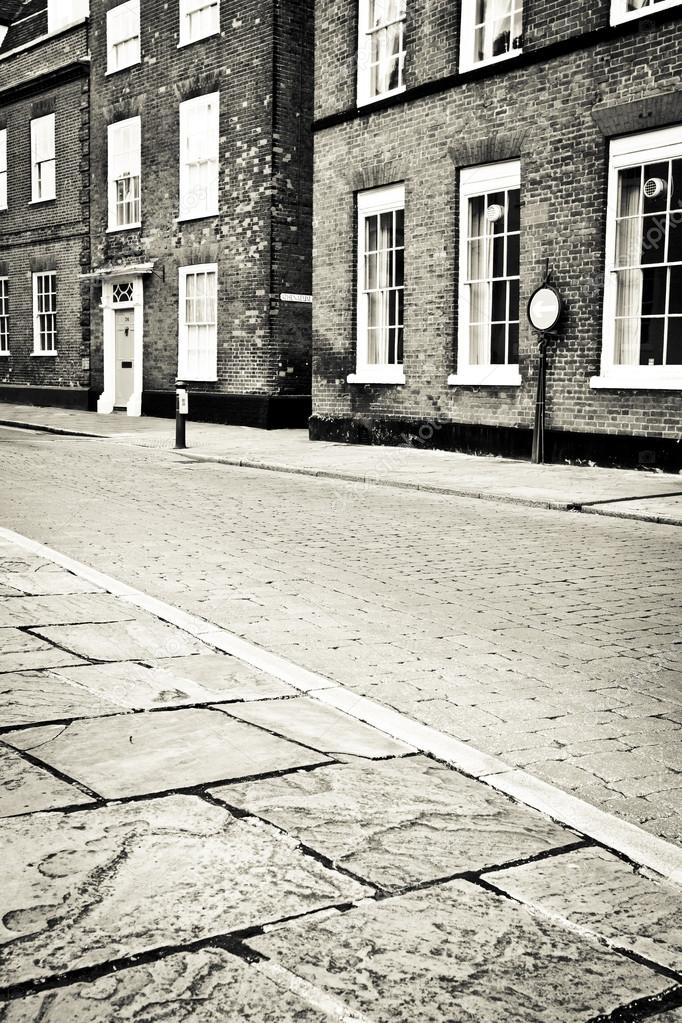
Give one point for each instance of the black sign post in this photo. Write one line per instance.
(545, 307)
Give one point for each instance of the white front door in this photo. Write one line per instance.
(124, 355)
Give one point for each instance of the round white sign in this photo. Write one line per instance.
(544, 308)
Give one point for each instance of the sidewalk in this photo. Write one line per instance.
(648, 496)
(196, 830)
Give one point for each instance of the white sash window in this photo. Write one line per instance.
(381, 49)
(199, 156)
(3, 168)
(124, 174)
(62, 13)
(198, 322)
(488, 294)
(642, 338)
(43, 180)
(491, 30)
(198, 19)
(4, 316)
(381, 286)
(45, 313)
(123, 36)
(626, 10)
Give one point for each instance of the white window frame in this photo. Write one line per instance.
(474, 181)
(190, 8)
(3, 169)
(38, 349)
(365, 33)
(124, 166)
(467, 37)
(4, 316)
(40, 192)
(119, 36)
(201, 201)
(631, 150)
(208, 371)
(619, 12)
(62, 14)
(370, 203)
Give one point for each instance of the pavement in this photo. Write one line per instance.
(196, 828)
(643, 495)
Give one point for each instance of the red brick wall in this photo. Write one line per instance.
(52, 234)
(257, 170)
(540, 113)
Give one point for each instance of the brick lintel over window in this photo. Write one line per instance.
(628, 118)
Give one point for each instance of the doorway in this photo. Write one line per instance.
(124, 354)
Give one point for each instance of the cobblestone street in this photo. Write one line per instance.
(549, 639)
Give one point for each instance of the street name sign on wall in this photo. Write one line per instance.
(301, 299)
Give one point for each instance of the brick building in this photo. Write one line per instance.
(201, 186)
(44, 229)
(459, 148)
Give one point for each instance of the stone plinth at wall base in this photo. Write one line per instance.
(59, 397)
(266, 411)
(612, 450)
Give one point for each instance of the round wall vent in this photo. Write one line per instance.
(653, 187)
(494, 213)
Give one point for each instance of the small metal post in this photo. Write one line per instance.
(538, 448)
(181, 410)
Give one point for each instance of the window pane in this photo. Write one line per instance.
(385, 230)
(626, 348)
(498, 256)
(399, 268)
(628, 242)
(513, 356)
(478, 303)
(513, 242)
(675, 304)
(653, 239)
(513, 300)
(478, 345)
(674, 356)
(653, 174)
(370, 234)
(629, 192)
(497, 344)
(497, 199)
(654, 284)
(629, 293)
(477, 216)
(399, 227)
(651, 345)
(513, 209)
(675, 237)
(374, 309)
(370, 272)
(499, 308)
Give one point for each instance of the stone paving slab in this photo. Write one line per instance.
(20, 651)
(209, 986)
(25, 788)
(123, 641)
(47, 581)
(594, 889)
(91, 886)
(177, 681)
(324, 728)
(63, 609)
(29, 697)
(139, 754)
(398, 822)
(455, 952)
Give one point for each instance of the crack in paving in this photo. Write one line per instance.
(643, 1008)
(56, 773)
(578, 929)
(229, 941)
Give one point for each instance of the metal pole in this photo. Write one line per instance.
(538, 448)
(180, 414)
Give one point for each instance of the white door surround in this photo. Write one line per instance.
(125, 356)
(121, 294)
